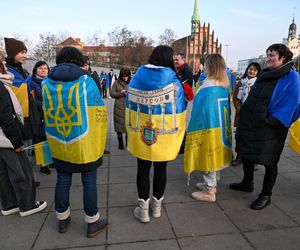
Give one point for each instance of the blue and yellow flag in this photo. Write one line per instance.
(75, 119)
(295, 136)
(42, 152)
(155, 114)
(208, 140)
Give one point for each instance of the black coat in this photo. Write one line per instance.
(260, 138)
(7, 121)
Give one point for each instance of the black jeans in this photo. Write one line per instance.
(269, 178)
(159, 179)
(17, 188)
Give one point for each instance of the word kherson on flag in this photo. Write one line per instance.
(295, 136)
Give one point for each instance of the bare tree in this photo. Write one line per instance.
(95, 39)
(45, 49)
(121, 37)
(167, 38)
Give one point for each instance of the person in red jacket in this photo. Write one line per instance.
(185, 74)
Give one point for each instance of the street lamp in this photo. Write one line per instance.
(226, 45)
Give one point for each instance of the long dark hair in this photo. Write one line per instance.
(254, 64)
(162, 55)
(39, 64)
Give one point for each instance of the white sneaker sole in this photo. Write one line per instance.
(11, 211)
(34, 211)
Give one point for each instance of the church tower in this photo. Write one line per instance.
(292, 30)
(195, 21)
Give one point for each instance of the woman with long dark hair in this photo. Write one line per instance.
(155, 122)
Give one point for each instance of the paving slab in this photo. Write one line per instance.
(216, 242)
(279, 239)
(198, 218)
(49, 238)
(125, 228)
(20, 232)
(247, 219)
(146, 245)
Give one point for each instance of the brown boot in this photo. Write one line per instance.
(96, 227)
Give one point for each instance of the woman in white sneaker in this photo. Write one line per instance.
(17, 187)
(208, 144)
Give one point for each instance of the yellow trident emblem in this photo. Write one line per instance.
(58, 116)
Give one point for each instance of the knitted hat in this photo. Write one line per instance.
(13, 47)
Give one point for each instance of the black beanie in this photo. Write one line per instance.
(13, 47)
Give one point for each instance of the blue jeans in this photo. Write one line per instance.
(62, 192)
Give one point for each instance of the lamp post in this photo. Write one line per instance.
(226, 45)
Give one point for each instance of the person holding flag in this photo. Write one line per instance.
(208, 140)
(75, 125)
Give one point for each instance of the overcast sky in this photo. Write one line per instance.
(248, 27)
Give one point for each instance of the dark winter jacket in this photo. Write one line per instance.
(185, 74)
(261, 137)
(67, 72)
(119, 106)
(32, 122)
(9, 128)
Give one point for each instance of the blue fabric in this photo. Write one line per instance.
(285, 101)
(62, 192)
(19, 79)
(35, 84)
(202, 76)
(208, 102)
(147, 78)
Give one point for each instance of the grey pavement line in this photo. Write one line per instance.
(41, 227)
(108, 178)
(298, 224)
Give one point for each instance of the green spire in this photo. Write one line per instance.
(196, 16)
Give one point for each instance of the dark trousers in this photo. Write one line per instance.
(269, 178)
(17, 188)
(143, 178)
(104, 92)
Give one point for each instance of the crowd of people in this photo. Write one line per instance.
(64, 105)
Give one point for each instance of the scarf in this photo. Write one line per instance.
(245, 88)
(7, 81)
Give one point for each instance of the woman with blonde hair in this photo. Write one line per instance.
(208, 147)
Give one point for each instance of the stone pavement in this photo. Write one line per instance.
(185, 223)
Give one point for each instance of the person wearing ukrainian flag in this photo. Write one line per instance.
(208, 141)
(155, 122)
(75, 125)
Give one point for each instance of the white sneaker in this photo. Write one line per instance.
(39, 206)
(10, 211)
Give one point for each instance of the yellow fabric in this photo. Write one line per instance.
(39, 153)
(166, 147)
(204, 151)
(21, 93)
(86, 149)
(295, 136)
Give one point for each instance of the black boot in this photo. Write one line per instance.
(63, 225)
(120, 140)
(241, 186)
(261, 202)
(96, 227)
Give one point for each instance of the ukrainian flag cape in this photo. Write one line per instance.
(208, 140)
(20, 89)
(155, 114)
(75, 119)
(295, 136)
